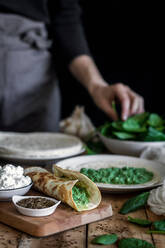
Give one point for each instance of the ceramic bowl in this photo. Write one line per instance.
(35, 212)
(6, 194)
(125, 147)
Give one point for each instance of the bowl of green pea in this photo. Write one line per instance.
(116, 173)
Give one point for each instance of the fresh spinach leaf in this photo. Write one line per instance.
(117, 125)
(89, 151)
(136, 123)
(140, 222)
(124, 135)
(135, 203)
(107, 239)
(159, 225)
(155, 120)
(132, 125)
(134, 243)
(94, 147)
(140, 118)
(106, 129)
(154, 135)
(161, 129)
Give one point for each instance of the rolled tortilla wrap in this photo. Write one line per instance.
(84, 181)
(60, 186)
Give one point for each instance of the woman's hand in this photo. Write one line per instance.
(85, 70)
(104, 94)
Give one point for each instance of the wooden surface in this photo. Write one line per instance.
(62, 219)
(81, 237)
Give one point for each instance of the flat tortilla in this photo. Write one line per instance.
(59, 185)
(39, 145)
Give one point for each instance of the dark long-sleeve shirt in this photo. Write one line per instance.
(63, 17)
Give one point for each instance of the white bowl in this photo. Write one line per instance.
(6, 194)
(125, 147)
(35, 212)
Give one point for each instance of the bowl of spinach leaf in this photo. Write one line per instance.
(132, 136)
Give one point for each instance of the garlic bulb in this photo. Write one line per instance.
(77, 124)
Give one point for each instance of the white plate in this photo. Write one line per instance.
(39, 161)
(38, 147)
(103, 161)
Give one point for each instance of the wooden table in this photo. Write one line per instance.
(81, 237)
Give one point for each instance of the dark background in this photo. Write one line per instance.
(120, 37)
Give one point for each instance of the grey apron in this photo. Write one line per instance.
(29, 92)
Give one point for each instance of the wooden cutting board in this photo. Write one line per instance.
(64, 218)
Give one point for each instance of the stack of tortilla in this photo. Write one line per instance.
(60, 184)
(38, 145)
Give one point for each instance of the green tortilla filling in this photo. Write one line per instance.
(113, 175)
(80, 196)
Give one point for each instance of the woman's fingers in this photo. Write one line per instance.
(131, 102)
(134, 105)
(141, 106)
(107, 108)
(137, 103)
(125, 106)
(121, 92)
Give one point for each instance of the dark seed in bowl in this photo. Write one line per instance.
(35, 203)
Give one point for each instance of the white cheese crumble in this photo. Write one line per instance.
(11, 177)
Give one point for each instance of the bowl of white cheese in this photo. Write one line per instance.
(13, 182)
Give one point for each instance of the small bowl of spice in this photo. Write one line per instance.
(35, 206)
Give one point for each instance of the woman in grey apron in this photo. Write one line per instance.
(29, 92)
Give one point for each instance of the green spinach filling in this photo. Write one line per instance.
(80, 196)
(113, 175)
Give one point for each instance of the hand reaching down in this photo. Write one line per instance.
(104, 95)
